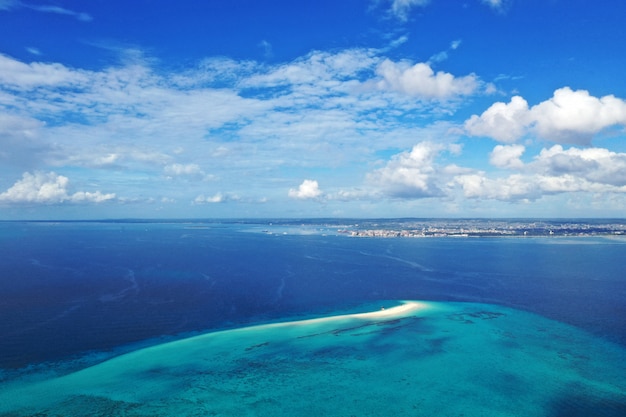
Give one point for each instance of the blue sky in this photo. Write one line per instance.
(357, 108)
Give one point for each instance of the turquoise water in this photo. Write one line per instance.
(412, 359)
(96, 319)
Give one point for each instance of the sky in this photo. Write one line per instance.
(326, 108)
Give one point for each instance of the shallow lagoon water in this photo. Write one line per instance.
(413, 358)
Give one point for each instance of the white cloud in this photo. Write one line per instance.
(356, 194)
(438, 57)
(215, 70)
(553, 171)
(443, 55)
(505, 122)
(20, 138)
(514, 187)
(414, 174)
(48, 188)
(12, 125)
(498, 5)
(596, 165)
(128, 112)
(309, 189)
(33, 51)
(89, 197)
(308, 111)
(130, 96)
(399, 41)
(420, 80)
(83, 17)
(520, 187)
(401, 8)
(420, 173)
(323, 70)
(104, 160)
(37, 188)
(267, 49)
(23, 76)
(324, 109)
(216, 198)
(184, 170)
(190, 171)
(507, 156)
(573, 117)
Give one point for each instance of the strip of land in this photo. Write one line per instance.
(485, 228)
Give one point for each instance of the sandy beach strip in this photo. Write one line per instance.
(407, 308)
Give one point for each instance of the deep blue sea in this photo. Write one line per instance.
(72, 290)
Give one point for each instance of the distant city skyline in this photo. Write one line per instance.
(268, 109)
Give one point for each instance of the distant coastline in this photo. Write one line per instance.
(394, 228)
(494, 228)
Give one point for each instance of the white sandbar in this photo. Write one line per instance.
(407, 308)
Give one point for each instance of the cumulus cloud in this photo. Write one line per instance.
(507, 156)
(420, 80)
(505, 122)
(48, 188)
(552, 171)
(576, 116)
(597, 165)
(309, 189)
(416, 173)
(520, 187)
(514, 187)
(420, 173)
(573, 117)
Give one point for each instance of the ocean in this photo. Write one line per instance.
(260, 317)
